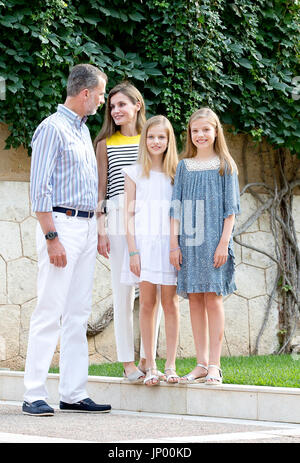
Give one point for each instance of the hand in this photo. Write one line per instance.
(221, 254)
(103, 245)
(57, 253)
(176, 258)
(135, 264)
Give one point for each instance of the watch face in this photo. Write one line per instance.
(51, 235)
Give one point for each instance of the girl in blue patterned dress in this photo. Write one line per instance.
(204, 204)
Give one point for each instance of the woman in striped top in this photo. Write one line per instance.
(117, 147)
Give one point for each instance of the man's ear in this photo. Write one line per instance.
(85, 93)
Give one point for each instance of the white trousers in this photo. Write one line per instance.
(123, 295)
(64, 299)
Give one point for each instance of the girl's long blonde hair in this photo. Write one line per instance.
(220, 145)
(170, 158)
(109, 127)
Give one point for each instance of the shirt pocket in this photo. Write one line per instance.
(73, 154)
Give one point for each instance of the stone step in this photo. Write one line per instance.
(224, 401)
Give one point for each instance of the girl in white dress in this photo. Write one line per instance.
(148, 193)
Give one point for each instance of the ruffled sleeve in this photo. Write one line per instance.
(132, 171)
(175, 209)
(231, 194)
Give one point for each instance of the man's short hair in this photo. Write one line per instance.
(83, 76)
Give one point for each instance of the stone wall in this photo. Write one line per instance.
(244, 310)
(14, 163)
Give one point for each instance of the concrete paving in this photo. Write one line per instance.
(137, 428)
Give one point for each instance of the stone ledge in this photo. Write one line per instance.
(261, 403)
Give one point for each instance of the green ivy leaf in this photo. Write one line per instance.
(119, 53)
(91, 19)
(136, 16)
(153, 72)
(235, 99)
(245, 63)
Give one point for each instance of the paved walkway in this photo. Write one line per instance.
(133, 428)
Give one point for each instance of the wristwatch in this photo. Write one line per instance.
(103, 209)
(51, 235)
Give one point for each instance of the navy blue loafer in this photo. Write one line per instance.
(85, 405)
(37, 408)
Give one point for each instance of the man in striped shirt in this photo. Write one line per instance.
(64, 183)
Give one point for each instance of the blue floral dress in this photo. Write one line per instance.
(201, 200)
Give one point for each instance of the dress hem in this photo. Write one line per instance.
(132, 280)
(207, 289)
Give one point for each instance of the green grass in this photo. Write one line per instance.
(264, 370)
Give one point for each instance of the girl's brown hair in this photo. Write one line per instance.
(170, 158)
(109, 127)
(220, 145)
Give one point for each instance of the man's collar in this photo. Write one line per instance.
(71, 115)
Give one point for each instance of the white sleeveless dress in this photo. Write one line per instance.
(152, 228)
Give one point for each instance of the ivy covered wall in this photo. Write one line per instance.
(240, 58)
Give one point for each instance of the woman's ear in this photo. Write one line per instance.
(138, 105)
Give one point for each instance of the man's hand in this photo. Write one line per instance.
(57, 253)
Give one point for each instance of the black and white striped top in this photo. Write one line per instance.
(122, 151)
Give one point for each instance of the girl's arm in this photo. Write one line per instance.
(221, 253)
(129, 212)
(102, 163)
(175, 253)
(175, 214)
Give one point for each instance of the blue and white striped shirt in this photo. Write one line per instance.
(63, 164)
